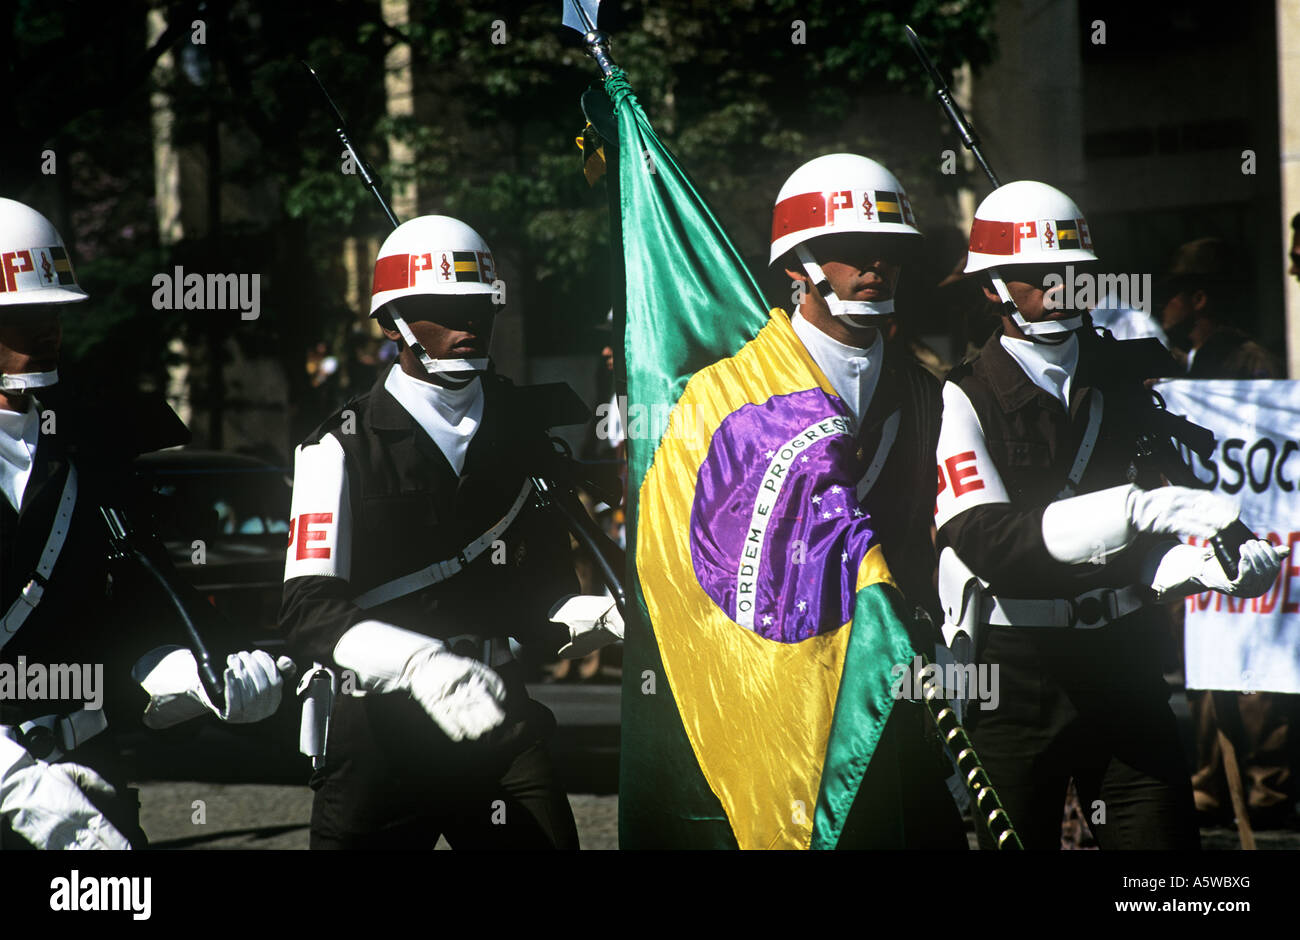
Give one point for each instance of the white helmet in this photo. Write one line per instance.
(34, 269)
(834, 194)
(1026, 222)
(34, 264)
(438, 255)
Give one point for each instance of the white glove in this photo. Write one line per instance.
(171, 677)
(593, 621)
(1190, 569)
(461, 695)
(1089, 528)
(47, 804)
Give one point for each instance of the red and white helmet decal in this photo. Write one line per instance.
(320, 524)
(966, 474)
(433, 268)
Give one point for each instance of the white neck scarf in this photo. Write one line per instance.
(449, 415)
(853, 372)
(1050, 367)
(18, 435)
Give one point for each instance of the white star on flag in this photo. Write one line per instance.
(835, 490)
(770, 454)
(767, 620)
(839, 508)
(856, 513)
(804, 458)
(844, 556)
(826, 515)
(802, 605)
(816, 499)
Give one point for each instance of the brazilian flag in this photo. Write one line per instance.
(764, 622)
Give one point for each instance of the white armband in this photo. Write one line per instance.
(967, 476)
(320, 523)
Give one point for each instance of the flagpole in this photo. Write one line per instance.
(974, 776)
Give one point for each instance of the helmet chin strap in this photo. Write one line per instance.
(22, 381)
(451, 368)
(872, 309)
(1050, 332)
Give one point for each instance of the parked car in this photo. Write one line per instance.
(224, 519)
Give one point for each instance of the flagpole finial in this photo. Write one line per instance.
(598, 48)
(580, 15)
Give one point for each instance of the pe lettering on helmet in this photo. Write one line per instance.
(320, 521)
(966, 475)
(30, 269)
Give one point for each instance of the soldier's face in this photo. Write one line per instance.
(1039, 291)
(447, 327)
(30, 337)
(859, 267)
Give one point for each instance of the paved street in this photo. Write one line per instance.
(272, 816)
(267, 816)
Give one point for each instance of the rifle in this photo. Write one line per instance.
(555, 482)
(1154, 448)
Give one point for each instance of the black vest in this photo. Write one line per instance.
(410, 509)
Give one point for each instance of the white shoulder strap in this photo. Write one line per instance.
(442, 570)
(1086, 446)
(888, 434)
(31, 595)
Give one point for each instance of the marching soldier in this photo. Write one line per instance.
(842, 229)
(415, 553)
(1050, 555)
(65, 608)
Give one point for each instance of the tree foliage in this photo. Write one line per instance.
(733, 95)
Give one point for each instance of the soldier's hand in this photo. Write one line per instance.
(171, 677)
(49, 804)
(1256, 571)
(461, 695)
(253, 683)
(593, 622)
(1189, 569)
